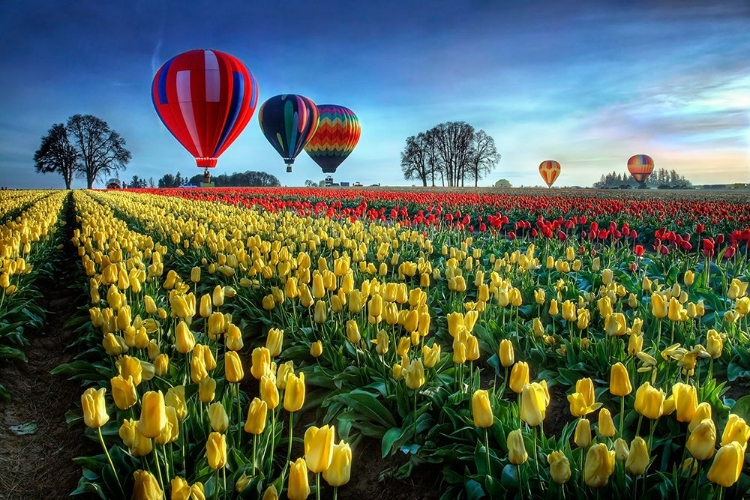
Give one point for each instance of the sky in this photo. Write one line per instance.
(588, 83)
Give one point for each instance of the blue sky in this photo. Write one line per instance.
(588, 83)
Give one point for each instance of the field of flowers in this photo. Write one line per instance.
(244, 343)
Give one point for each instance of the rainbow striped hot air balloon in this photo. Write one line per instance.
(288, 121)
(640, 167)
(550, 171)
(337, 135)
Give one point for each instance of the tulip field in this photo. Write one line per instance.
(250, 343)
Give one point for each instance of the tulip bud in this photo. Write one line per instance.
(261, 362)
(506, 353)
(294, 396)
(233, 367)
(582, 435)
(414, 374)
(638, 457)
(282, 373)
(606, 425)
(256, 417)
(431, 355)
(207, 390)
(216, 450)
(198, 370)
(702, 440)
(685, 400)
(184, 339)
(702, 412)
(175, 398)
(516, 450)
(519, 377)
(153, 414)
(316, 349)
(735, 430)
(559, 467)
(319, 448)
(714, 344)
(218, 417)
(94, 407)
(205, 307)
(727, 466)
(339, 472)
(146, 486)
(658, 305)
(123, 392)
(649, 401)
(298, 487)
(534, 401)
(599, 466)
(621, 449)
(619, 380)
(352, 331)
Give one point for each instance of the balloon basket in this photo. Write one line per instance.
(288, 168)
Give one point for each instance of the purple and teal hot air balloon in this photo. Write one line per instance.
(337, 135)
(288, 121)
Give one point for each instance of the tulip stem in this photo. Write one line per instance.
(106, 451)
(255, 450)
(158, 467)
(520, 482)
(216, 485)
(335, 493)
(487, 450)
(289, 446)
(317, 485)
(536, 460)
(273, 438)
(622, 416)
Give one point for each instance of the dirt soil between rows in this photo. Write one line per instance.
(40, 464)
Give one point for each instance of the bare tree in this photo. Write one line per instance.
(484, 156)
(56, 154)
(101, 150)
(417, 159)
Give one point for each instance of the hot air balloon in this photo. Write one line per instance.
(205, 98)
(550, 171)
(288, 121)
(640, 167)
(337, 135)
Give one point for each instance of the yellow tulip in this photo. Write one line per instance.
(559, 467)
(146, 486)
(619, 380)
(233, 367)
(459, 352)
(218, 417)
(689, 277)
(381, 342)
(582, 435)
(607, 275)
(171, 431)
(702, 412)
(275, 341)
(269, 393)
(153, 414)
(638, 457)
(271, 493)
(599, 466)
(506, 353)
(481, 409)
(298, 487)
(675, 310)
(197, 369)
(175, 397)
(294, 396)
(431, 355)
(736, 430)
(206, 390)
(702, 440)
(516, 450)
(319, 443)
(649, 401)
(553, 309)
(217, 297)
(94, 407)
(658, 305)
(234, 337)
(519, 377)
(161, 364)
(606, 425)
(131, 367)
(586, 387)
(727, 466)
(216, 325)
(714, 344)
(635, 344)
(282, 373)
(256, 417)
(339, 472)
(261, 362)
(205, 308)
(123, 392)
(184, 339)
(534, 401)
(472, 348)
(414, 374)
(216, 450)
(616, 324)
(316, 349)
(685, 401)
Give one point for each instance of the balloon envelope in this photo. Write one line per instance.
(288, 121)
(550, 171)
(205, 98)
(337, 134)
(640, 167)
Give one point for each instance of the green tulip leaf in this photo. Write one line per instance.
(4, 394)
(509, 477)
(24, 429)
(742, 408)
(474, 490)
(389, 438)
(7, 352)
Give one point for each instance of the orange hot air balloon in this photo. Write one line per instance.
(550, 171)
(640, 167)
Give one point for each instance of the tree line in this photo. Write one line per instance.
(661, 178)
(237, 179)
(451, 153)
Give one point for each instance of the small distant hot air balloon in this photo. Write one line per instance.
(640, 167)
(337, 135)
(205, 98)
(550, 171)
(288, 121)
